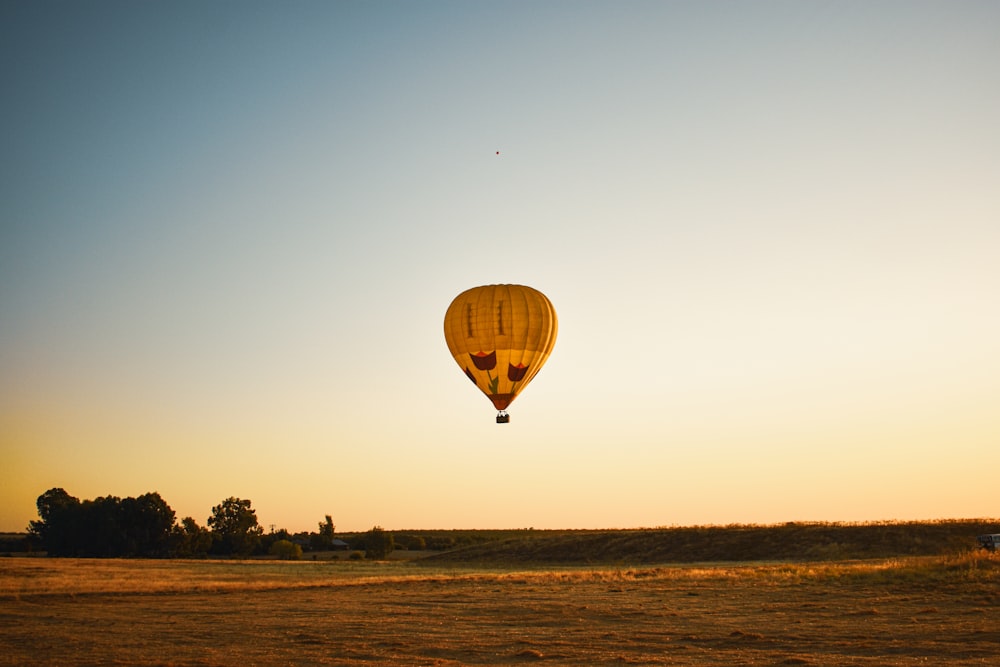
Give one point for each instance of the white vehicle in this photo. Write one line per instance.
(991, 542)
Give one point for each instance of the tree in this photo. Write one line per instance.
(234, 526)
(378, 543)
(190, 539)
(286, 550)
(103, 535)
(104, 527)
(323, 540)
(147, 523)
(56, 531)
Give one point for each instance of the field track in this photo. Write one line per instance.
(94, 612)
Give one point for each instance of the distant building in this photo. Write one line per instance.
(339, 545)
(991, 542)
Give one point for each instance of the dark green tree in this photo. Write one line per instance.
(378, 543)
(323, 540)
(104, 527)
(235, 531)
(56, 530)
(190, 540)
(103, 534)
(148, 523)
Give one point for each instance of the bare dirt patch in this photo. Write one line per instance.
(72, 612)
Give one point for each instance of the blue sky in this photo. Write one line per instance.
(229, 233)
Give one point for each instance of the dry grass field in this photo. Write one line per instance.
(928, 610)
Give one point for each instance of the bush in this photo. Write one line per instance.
(286, 550)
(378, 544)
(410, 542)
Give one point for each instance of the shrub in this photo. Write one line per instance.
(286, 550)
(378, 544)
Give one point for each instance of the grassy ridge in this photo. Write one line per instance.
(785, 542)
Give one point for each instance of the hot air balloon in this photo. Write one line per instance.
(500, 335)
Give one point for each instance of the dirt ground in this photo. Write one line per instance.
(660, 616)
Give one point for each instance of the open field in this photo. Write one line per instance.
(928, 610)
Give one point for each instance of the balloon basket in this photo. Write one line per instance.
(503, 417)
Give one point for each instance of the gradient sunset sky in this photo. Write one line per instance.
(229, 232)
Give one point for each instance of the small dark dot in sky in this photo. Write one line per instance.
(498, 152)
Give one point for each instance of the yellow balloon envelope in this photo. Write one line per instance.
(500, 335)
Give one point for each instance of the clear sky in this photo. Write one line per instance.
(229, 232)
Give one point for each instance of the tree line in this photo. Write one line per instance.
(146, 527)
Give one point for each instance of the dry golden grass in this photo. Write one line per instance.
(940, 610)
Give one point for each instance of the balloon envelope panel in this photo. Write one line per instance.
(500, 336)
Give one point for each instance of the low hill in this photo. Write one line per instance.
(785, 542)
